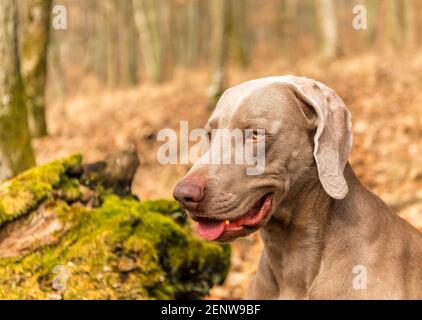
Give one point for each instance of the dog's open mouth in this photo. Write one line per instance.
(212, 229)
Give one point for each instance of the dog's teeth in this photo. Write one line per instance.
(227, 222)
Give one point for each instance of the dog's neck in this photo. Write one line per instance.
(294, 237)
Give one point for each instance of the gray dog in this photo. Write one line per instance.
(325, 236)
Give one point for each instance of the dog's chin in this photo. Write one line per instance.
(231, 235)
(229, 229)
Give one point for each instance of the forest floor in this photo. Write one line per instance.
(383, 95)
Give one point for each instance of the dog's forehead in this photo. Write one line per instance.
(256, 99)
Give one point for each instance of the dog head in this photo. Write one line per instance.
(305, 129)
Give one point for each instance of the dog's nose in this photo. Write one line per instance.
(189, 192)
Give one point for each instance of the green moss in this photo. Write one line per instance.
(27, 190)
(121, 249)
(124, 249)
(167, 207)
(196, 266)
(69, 189)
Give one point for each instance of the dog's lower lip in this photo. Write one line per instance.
(256, 214)
(213, 229)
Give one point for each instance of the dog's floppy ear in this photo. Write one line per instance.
(333, 138)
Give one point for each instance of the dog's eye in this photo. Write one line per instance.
(257, 134)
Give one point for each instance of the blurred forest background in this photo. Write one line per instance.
(94, 76)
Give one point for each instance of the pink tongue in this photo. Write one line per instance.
(210, 230)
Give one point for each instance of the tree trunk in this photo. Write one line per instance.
(239, 31)
(15, 145)
(112, 55)
(193, 22)
(185, 31)
(35, 38)
(380, 30)
(219, 44)
(329, 28)
(99, 41)
(130, 45)
(387, 29)
(148, 22)
(410, 23)
(287, 23)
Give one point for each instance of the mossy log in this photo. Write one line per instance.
(60, 239)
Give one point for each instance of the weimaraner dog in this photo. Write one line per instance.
(325, 236)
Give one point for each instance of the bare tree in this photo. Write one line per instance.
(35, 38)
(111, 30)
(193, 21)
(15, 147)
(287, 22)
(129, 61)
(219, 45)
(239, 33)
(98, 53)
(329, 28)
(148, 22)
(387, 26)
(185, 22)
(410, 23)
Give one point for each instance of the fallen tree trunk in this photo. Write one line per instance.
(64, 238)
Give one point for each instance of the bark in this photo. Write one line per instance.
(148, 22)
(116, 172)
(16, 152)
(37, 229)
(35, 39)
